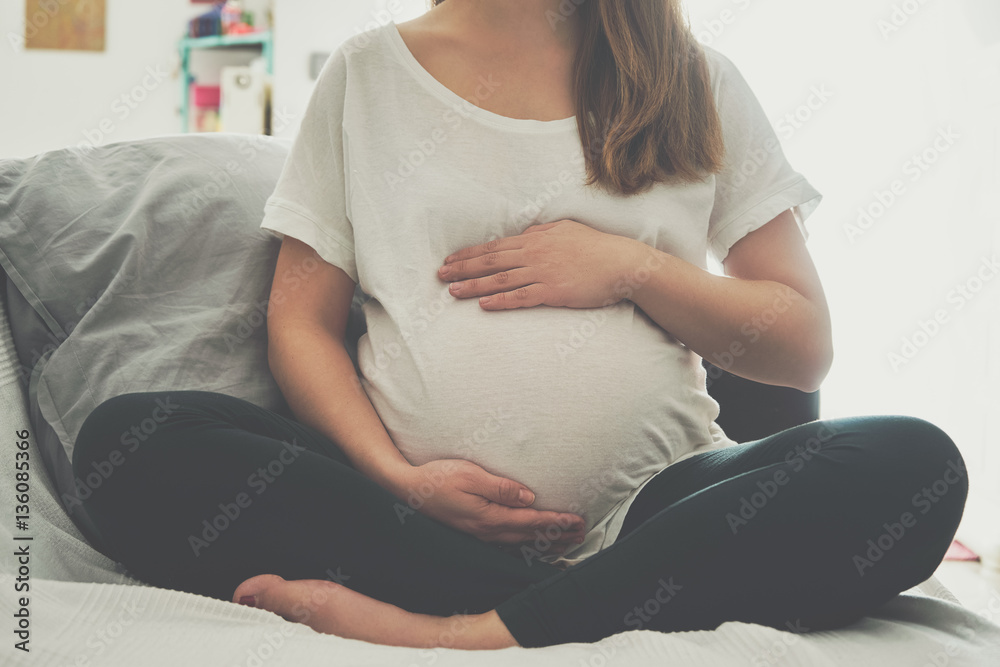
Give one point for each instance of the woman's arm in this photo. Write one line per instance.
(306, 321)
(766, 321)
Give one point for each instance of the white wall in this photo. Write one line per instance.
(307, 26)
(897, 72)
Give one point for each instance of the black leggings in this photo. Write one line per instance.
(807, 529)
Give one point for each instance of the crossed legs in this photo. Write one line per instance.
(814, 526)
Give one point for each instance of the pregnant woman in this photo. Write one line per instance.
(525, 452)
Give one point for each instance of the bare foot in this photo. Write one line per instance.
(332, 608)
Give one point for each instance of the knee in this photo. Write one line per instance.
(101, 428)
(121, 423)
(920, 454)
(944, 466)
(921, 440)
(110, 461)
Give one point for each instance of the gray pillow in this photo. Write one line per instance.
(138, 266)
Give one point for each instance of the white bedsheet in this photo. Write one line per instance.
(85, 611)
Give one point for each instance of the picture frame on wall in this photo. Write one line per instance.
(73, 25)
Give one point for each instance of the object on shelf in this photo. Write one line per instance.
(234, 20)
(207, 24)
(230, 15)
(205, 100)
(241, 29)
(225, 18)
(245, 98)
(206, 96)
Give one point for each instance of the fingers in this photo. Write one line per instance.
(505, 290)
(522, 297)
(483, 265)
(542, 227)
(538, 541)
(500, 281)
(494, 246)
(508, 518)
(500, 489)
(511, 504)
(500, 278)
(499, 245)
(530, 520)
(530, 525)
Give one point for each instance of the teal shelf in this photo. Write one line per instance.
(226, 40)
(186, 45)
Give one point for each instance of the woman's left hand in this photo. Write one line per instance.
(561, 263)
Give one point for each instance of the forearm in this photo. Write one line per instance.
(322, 388)
(758, 329)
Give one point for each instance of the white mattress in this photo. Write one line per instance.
(84, 611)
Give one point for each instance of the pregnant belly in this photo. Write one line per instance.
(581, 406)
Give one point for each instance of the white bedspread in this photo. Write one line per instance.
(84, 611)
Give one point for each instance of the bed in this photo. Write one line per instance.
(139, 266)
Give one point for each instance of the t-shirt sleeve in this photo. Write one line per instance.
(310, 201)
(757, 183)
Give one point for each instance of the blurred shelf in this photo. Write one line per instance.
(186, 45)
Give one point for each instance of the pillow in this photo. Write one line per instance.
(138, 266)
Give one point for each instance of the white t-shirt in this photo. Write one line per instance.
(391, 172)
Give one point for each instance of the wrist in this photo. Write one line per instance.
(392, 476)
(635, 262)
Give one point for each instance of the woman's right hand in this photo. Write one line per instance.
(495, 509)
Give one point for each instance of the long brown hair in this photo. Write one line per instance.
(644, 100)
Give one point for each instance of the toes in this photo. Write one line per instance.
(254, 585)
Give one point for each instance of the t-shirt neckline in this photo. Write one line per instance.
(453, 99)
